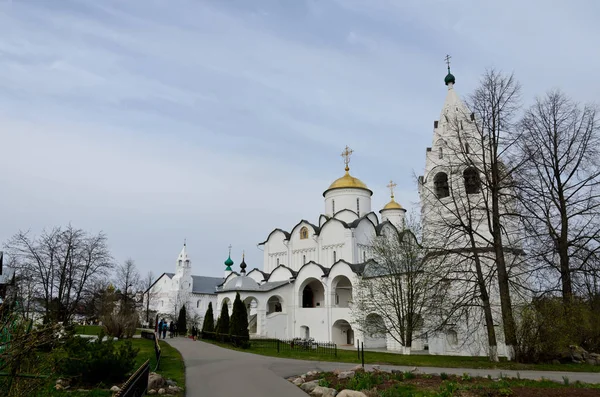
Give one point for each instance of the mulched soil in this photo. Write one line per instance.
(477, 387)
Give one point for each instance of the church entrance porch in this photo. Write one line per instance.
(312, 294)
(251, 307)
(342, 333)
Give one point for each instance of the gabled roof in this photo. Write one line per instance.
(316, 228)
(264, 274)
(170, 275)
(205, 285)
(292, 272)
(287, 235)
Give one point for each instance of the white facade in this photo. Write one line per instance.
(173, 290)
(309, 274)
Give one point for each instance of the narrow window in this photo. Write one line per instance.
(333, 206)
(435, 124)
(198, 304)
(461, 126)
(441, 153)
(472, 116)
(358, 207)
(472, 182)
(277, 261)
(364, 256)
(466, 148)
(440, 183)
(337, 299)
(334, 256)
(304, 259)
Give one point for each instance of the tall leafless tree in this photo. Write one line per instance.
(127, 281)
(62, 262)
(148, 282)
(495, 104)
(560, 187)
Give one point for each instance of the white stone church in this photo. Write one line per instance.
(305, 287)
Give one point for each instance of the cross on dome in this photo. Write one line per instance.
(450, 79)
(391, 186)
(346, 155)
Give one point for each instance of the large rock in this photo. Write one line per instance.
(309, 386)
(152, 391)
(162, 391)
(155, 381)
(321, 391)
(298, 381)
(115, 389)
(346, 375)
(351, 393)
(311, 373)
(356, 368)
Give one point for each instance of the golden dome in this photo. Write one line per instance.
(392, 205)
(347, 182)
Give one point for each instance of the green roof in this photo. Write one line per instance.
(228, 262)
(449, 78)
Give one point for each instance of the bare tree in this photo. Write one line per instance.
(560, 187)
(396, 289)
(495, 104)
(147, 283)
(62, 262)
(127, 281)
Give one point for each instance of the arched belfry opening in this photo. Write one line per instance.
(472, 181)
(440, 184)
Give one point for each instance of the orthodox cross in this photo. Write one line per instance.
(447, 59)
(391, 186)
(184, 240)
(346, 155)
(229, 250)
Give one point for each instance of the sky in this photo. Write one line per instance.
(216, 121)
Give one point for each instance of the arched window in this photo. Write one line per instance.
(334, 256)
(333, 206)
(472, 182)
(304, 259)
(441, 153)
(440, 184)
(277, 261)
(198, 304)
(303, 233)
(364, 256)
(357, 206)
(466, 148)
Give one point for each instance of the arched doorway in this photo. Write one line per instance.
(342, 291)
(274, 304)
(312, 294)
(305, 332)
(342, 333)
(375, 331)
(252, 311)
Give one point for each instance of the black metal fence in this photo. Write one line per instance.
(297, 345)
(137, 384)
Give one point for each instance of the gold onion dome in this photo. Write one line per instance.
(347, 181)
(393, 205)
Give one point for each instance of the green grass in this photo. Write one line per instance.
(350, 356)
(88, 329)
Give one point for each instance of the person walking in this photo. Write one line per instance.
(164, 330)
(193, 332)
(175, 330)
(159, 328)
(171, 330)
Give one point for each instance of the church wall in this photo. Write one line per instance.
(275, 252)
(336, 238)
(281, 274)
(363, 237)
(302, 250)
(277, 326)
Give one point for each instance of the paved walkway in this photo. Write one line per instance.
(218, 372)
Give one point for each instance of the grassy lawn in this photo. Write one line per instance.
(95, 330)
(171, 367)
(350, 356)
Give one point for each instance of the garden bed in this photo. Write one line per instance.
(387, 384)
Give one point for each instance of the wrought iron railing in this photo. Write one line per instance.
(137, 384)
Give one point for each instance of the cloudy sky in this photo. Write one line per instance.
(220, 120)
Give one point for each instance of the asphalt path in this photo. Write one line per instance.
(213, 371)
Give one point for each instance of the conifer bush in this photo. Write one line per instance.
(182, 322)
(208, 326)
(223, 323)
(238, 326)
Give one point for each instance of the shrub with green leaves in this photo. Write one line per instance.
(94, 362)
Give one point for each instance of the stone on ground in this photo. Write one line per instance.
(155, 381)
(357, 368)
(152, 391)
(351, 393)
(298, 381)
(162, 391)
(321, 391)
(346, 375)
(115, 389)
(309, 386)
